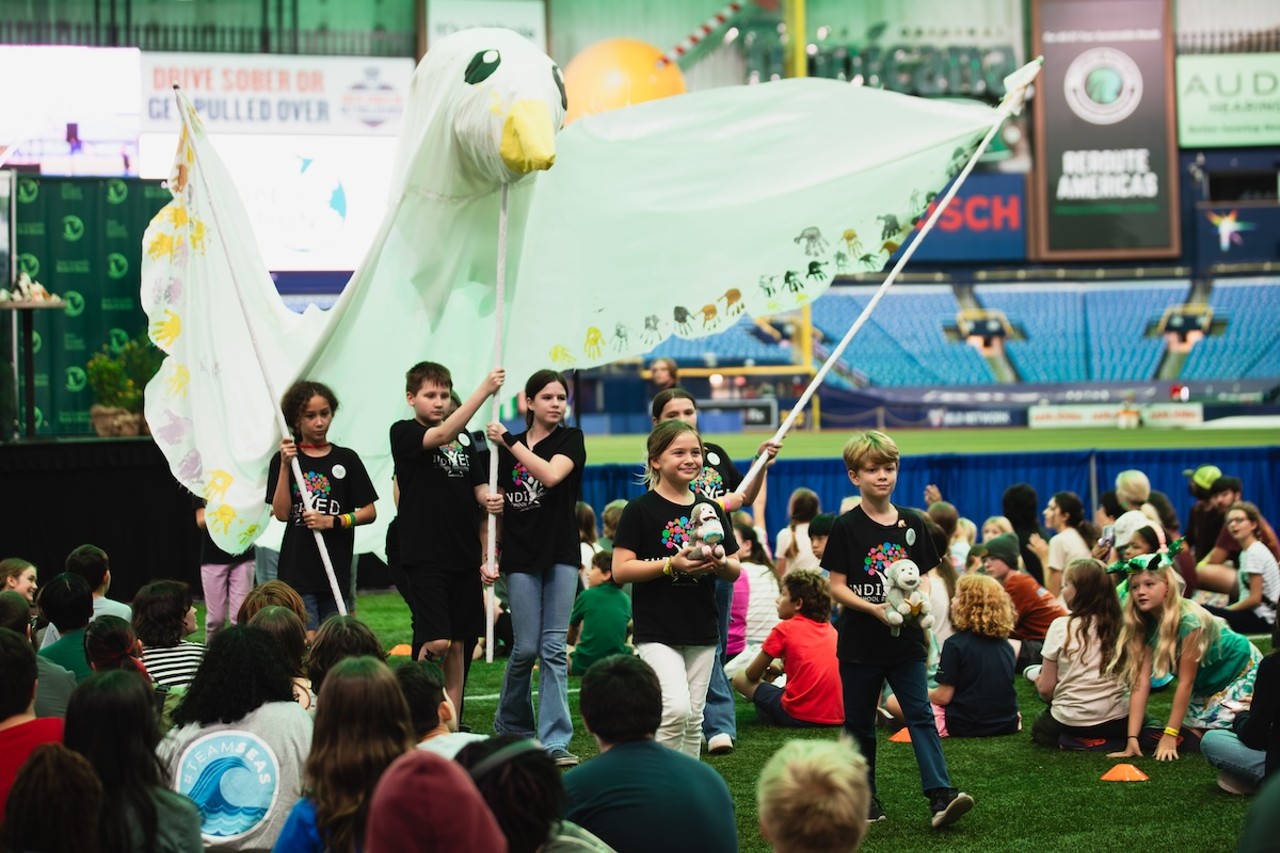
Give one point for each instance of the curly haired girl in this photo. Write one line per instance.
(975, 695)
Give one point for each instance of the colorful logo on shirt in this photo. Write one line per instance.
(452, 459)
(880, 556)
(525, 492)
(676, 534)
(709, 483)
(233, 777)
(317, 484)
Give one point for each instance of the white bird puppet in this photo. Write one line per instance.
(670, 217)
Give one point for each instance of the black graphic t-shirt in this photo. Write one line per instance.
(340, 484)
(539, 524)
(861, 550)
(679, 610)
(719, 475)
(439, 519)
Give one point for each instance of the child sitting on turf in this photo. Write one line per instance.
(601, 613)
(813, 795)
(805, 642)
(975, 695)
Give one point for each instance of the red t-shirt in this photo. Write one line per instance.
(17, 742)
(808, 648)
(1034, 607)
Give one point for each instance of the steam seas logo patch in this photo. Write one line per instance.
(1103, 86)
(233, 777)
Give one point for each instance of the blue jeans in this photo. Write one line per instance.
(1222, 749)
(861, 684)
(540, 606)
(720, 715)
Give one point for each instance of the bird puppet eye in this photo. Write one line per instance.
(559, 78)
(482, 66)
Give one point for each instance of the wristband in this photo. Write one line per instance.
(667, 568)
(1171, 731)
(1133, 737)
(508, 439)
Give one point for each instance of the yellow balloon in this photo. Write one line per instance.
(618, 73)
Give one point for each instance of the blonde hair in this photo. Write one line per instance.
(1001, 523)
(1133, 643)
(1133, 489)
(813, 795)
(966, 530)
(982, 606)
(871, 446)
(663, 436)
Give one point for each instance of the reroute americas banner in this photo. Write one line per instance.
(1105, 182)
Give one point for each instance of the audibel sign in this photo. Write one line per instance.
(1105, 182)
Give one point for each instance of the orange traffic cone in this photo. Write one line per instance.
(902, 735)
(1124, 773)
(402, 650)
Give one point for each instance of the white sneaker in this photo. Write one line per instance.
(720, 744)
(1032, 672)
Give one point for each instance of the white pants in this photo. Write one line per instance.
(683, 673)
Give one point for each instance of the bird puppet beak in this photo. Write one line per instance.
(528, 138)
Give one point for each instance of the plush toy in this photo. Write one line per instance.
(902, 591)
(706, 534)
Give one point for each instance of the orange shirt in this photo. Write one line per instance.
(1034, 607)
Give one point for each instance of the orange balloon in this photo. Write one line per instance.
(618, 73)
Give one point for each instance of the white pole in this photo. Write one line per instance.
(491, 558)
(308, 500)
(1016, 91)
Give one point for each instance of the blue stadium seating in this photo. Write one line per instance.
(1249, 347)
(1117, 319)
(1055, 348)
(734, 346)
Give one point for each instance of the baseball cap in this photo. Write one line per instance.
(1204, 476)
(1131, 522)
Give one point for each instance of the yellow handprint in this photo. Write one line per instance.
(177, 215)
(165, 332)
(163, 244)
(249, 532)
(178, 381)
(215, 487)
(594, 342)
(561, 355)
(221, 517)
(197, 235)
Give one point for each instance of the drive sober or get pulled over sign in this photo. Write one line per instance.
(1105, 184)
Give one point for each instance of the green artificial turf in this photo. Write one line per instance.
(1028, 798)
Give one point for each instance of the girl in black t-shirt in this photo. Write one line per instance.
(340, 488)
(673, 597)
(540, 477)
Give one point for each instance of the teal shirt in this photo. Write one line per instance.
(604, 612)
(68, 653)
(1223, 661)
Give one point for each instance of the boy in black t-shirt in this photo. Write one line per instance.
(439, 520)
(862, 544)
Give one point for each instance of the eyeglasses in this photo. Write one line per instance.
(1237, 519)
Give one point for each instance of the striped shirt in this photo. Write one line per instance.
(173, 666)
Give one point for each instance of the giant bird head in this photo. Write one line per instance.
(484, 108)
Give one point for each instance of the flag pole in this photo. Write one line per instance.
(308, 500)
(491, 557)
(1016, 86)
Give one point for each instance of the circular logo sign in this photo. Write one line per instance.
(713, 458)
(339, 471)
(117, 266)
(464, 439)
(29, 264)
(911, 536)
(75, 303)
(28, 190)
(36, 342)
(1103, 86)
(72, 228)
(116, 339)
(76, 379)
(234, 779)
(117, 191)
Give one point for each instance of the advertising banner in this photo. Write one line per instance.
(1228, 100)
(81, 239)
(1106, 179)
(1116, 415)
(986, 221)
(257, 94)
(1238, 233)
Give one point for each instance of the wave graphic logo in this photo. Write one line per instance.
(233, 777)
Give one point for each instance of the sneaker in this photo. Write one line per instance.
(1032, 673)
(1232, 785)
(875, 811)
(948, 806)
(720, 744)
(562, 757)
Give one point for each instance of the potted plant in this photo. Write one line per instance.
(118, 375)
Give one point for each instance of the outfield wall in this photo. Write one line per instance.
(975, 482)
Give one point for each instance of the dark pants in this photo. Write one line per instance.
(1046, 730)
(862, 683)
